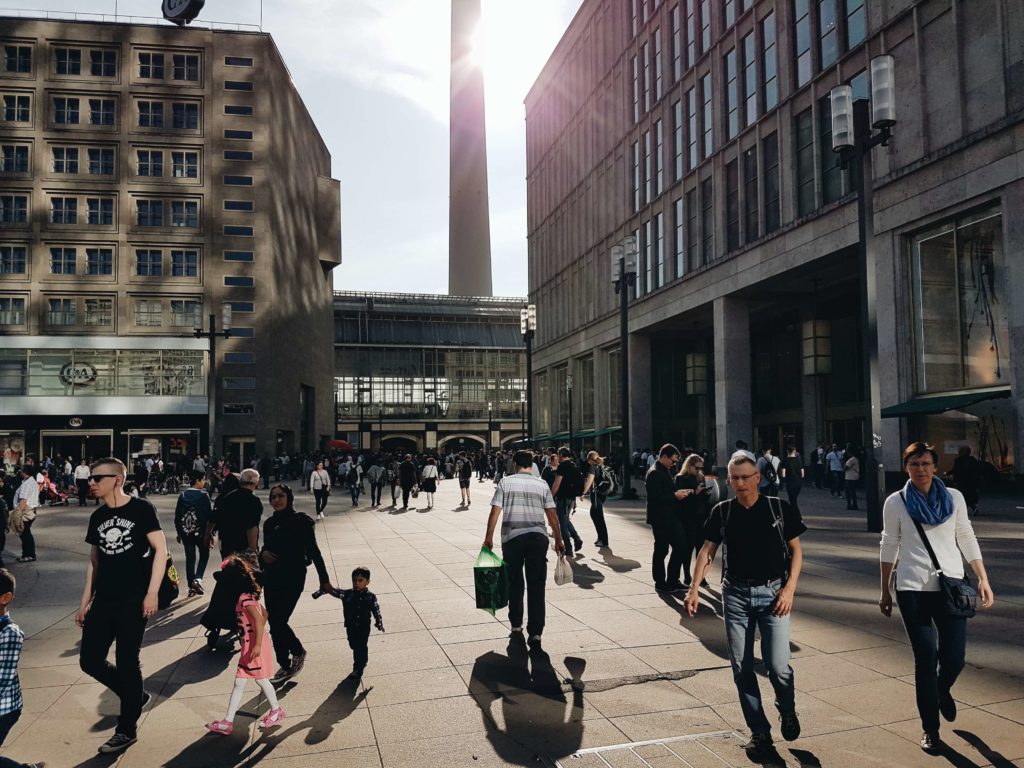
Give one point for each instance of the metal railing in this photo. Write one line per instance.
(115, 18)
(414, 298)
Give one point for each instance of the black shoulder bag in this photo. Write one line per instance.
(960, 597)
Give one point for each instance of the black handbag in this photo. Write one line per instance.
(169, 586)
(961, 599)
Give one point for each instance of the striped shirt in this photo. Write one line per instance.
(11, 641)
(524, 500)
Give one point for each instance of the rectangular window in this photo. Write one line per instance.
(749, 46)
(13, 209)
(62, 261)
(237, 61)
(65, 159)
(242, 307)
(239, 382)
(185, 67)
(185, 213)
(645, 52)
(12, 310)
(237, 230)
(750, 209)
(13, 158)
(149, 313)
(13, 258)
(659, 157)
(636, 89)
(151, 114)
(238, 409)
(677, 140)
(243, 332)
(678, 239)
(677, 45)
(831, 173)
(99, 261)
(237, 154)
(804, 163)
(101, 161)
(185, 165)
(658, 79)
(184, 263)
(828, 50)
(802, 41)
(238, 205)
(732, 96)
(659, 250)
(99, 312)
(691, 118)
(101, 211)
(772, 196)
(238, 281)
(67, 61)
(185, 115)
(707, 201)
(238, 135)
(101, 111)
(705, 25)
(691, 32)
(239, 110)
(16, 108)
(240, 358)
(730, 13)
(237, 85)
(149, 262)
(103, 63)
(150, 162)
(238, 181)
(18, 58)
(65, 111)
(63, 210)
(151, 66)
(636, 176)
(186, 313)
(643, 268)
(61, 312)
(856, 23)
(648, 149)
(150, 213)
(732, 206)
(238, 256)
(709, 124)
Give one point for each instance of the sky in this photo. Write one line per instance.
(374, 76)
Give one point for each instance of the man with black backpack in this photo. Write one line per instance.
(567, 487)
(761, 562)
(191, 514)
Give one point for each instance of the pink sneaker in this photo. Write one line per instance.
(222, 727)
(272, 718)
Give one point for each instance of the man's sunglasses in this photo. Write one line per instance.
(97, 478)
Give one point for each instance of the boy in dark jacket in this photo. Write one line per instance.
(191, 514)
(359, 603)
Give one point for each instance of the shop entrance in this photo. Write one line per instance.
(240, 449)
(77, 444)
(173, 446)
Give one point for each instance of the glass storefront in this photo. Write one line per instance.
(12, 450)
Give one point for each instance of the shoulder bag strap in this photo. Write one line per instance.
(924, 538)
(779, 523)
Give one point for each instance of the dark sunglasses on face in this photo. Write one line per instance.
(97, 478)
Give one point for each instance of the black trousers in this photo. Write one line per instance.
(668, 533)
(693, 540)
(358, 639)
(28, 542)
(597, 516)
(83, 491)
(526, 554)
(321, 494)
(793, 492)
(122, 623)
(281, 598)
(406, 490)
(375, 492)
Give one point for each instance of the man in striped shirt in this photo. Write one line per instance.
(527, 505)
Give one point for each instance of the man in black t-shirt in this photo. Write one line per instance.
(407, 475)
(236, 518)
(122, 582)
(761, 562)
(567, 486)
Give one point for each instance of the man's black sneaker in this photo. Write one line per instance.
(579, 544)
(947, 706)
(677, 586)
(281, 675)
(117, 743)
(298, 662)
(25, 560)
(930, 741)
(663, 589)
(760, 745)
(790, 726)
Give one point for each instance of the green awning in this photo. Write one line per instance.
(924, 406)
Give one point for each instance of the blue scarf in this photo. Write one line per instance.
(935, 508)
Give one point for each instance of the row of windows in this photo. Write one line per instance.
(99, 161)
(147, 312)
(99, 211)
(99, 260)
(102, 112)
(102, 62)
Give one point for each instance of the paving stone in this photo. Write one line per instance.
(642, 698)
(659, 725)
(876, 703)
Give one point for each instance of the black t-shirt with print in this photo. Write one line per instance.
(754, 550)
(572, 480)
(125, 560)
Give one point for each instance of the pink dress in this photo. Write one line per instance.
(254, 669)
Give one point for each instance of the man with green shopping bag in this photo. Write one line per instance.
(527, 505)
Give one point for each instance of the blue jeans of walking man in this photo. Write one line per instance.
(569, 534)
(749, 609)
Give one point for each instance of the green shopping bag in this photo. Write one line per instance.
(490, 576)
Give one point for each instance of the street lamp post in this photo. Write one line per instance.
(211, 373)
(528, 327)
(490, 416)
(361, 392)
(624, 278)
(380, 427)
(568, 392)
(522, 414)
(853, 138)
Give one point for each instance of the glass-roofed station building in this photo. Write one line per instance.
(427, 372)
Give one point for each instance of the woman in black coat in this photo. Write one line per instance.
(693, 510)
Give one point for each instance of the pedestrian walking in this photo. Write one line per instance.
(761, 563)
(354, 478)
(122, 580)
(320, 484)
(464, 469)
(568, 485)
(359, 604)
(407, 475)
(791, 473)
(236, 516)
(834, 461)
(191, 517)
(526, 508)
(664, 518)
(692, 509)
(967, 477)
(377, 475)
(851, 474)
(12, 639)
(429, 479)
(254, 658)
(26, 505)
(595, 487)
(81, 477)
(943, 538)
(768, 466)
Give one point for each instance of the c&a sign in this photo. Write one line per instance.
(77, 373)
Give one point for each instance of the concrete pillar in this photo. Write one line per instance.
(1013, 246)
(733, 419)
(640, 416)
(891, 335)
(431, 440)
(812, 400)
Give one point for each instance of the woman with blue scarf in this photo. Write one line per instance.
(942, 513)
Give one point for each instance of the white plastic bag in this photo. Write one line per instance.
(563, 572)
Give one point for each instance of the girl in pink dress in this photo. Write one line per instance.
(256, 660)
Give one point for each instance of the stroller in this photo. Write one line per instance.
(220, 614)
(51, 495)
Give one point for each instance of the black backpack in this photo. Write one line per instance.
(605, 482)
(353, 475)
(572, 481)
(769, 472)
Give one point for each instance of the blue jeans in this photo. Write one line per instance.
(749, 608)
(195, 547)
(569, 534)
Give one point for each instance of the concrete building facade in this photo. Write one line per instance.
(152, 176)
(703, 128)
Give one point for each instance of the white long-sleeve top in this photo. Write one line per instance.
(901, 544)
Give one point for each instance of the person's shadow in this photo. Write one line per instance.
(583, 576)
(707, 624)
(537, 718)
(616, 563)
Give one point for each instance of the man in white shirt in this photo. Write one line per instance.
(81, 476)
(26, 500)
(834, 459)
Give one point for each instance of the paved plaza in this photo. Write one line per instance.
(625, 678)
